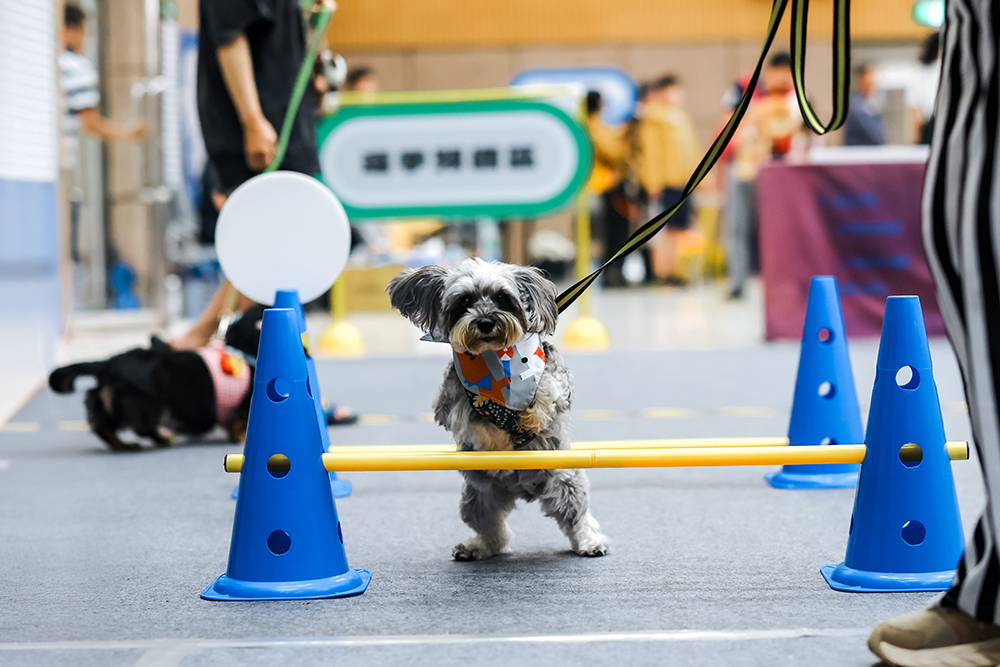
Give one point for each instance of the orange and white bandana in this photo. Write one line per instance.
(508, 377)
(230, 378)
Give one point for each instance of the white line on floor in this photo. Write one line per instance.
(4, 464)
(165, 646)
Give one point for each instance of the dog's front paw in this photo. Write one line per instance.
(592, 544)
(469, 551)
(474, 548)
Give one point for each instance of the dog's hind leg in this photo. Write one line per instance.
(567, 500)
(484, 508)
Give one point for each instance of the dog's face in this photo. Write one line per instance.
(478, 305)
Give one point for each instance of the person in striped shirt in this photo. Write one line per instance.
(80, 82)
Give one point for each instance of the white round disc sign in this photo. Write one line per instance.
(282, 231)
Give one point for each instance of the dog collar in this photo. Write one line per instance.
(502, 383)
(230, 378)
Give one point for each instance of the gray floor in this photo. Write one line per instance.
(102, 555)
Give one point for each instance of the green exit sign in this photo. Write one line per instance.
(929, 13)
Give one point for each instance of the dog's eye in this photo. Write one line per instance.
(504, 301)
(464, 303)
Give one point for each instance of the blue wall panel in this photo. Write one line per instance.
(30, 308)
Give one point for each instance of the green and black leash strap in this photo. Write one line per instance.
(841, 93)
(301, 82)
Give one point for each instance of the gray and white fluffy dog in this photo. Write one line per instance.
(488, 306)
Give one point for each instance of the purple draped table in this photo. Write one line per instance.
(857, 222)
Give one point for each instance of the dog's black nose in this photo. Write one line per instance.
(485, 326)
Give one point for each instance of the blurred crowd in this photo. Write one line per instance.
(641, 168)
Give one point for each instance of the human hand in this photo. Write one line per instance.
(134, 132)
(259, 143)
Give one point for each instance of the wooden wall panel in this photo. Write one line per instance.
(382, 24)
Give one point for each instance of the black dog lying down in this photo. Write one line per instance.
(161, 392)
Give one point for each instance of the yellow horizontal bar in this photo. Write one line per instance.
(592, 458)
(958, 450)
(422, 459)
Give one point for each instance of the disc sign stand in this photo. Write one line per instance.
(825, 407)
(284, 233)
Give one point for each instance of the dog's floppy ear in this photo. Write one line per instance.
(538, 297)
(62, 379)
(416, 294)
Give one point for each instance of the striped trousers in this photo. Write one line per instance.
(961, 230)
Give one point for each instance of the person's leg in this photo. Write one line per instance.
(666, 251)
(737, 235)
(961, 225)
(615, 235)
(753, 228)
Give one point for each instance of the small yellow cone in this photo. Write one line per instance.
(341, 339)
(586, 334)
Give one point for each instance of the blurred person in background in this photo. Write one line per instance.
(864, 125)
(921, 90)
(611, 226)
(668, 152)
(362, 80)
(81, 85)
(249, 54)
(770, 123)
(329, 75)
(248, 58)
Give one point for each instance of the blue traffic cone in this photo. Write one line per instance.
(825, 407)
(290, 299)
(906, 532)
(287, 541)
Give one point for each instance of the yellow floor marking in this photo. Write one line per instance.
(377, 419)
(667, 413)
(21, 427)
(596, 414)
(960, 406)
(74, 426)
(747, 412)
(427, 417)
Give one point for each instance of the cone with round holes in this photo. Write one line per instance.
(825, 406)
(290, 299)
(287, 542)
(906, 532)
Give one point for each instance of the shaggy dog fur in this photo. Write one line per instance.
(486, 306)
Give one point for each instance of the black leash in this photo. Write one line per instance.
(841, 99)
